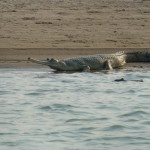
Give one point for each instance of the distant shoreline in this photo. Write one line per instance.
(17, 57)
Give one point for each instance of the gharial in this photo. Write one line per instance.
(95, 62)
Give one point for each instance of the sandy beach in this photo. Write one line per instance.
(68, 28)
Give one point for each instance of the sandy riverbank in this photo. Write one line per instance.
(74, 23)
(18, 57)
(68, 28)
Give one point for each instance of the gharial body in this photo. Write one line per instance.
(95, 62)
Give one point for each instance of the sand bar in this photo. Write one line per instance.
(68, 28)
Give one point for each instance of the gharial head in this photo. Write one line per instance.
(52, 62)
(143, 56)
(55, 64)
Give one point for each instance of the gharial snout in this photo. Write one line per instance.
(38, 61)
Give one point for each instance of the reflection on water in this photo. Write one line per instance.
(40, 109)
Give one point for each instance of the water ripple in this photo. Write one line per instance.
(115, 127)
(134, 113)
(126, 138)
(46, 108)
(62, 106)
(41, 109)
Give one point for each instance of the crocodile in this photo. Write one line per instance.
(95, 62)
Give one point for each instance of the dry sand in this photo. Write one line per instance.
(67, 28)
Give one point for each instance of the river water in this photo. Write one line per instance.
(43, 110)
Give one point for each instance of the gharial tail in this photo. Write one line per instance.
(142, 56)
(38, 61)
